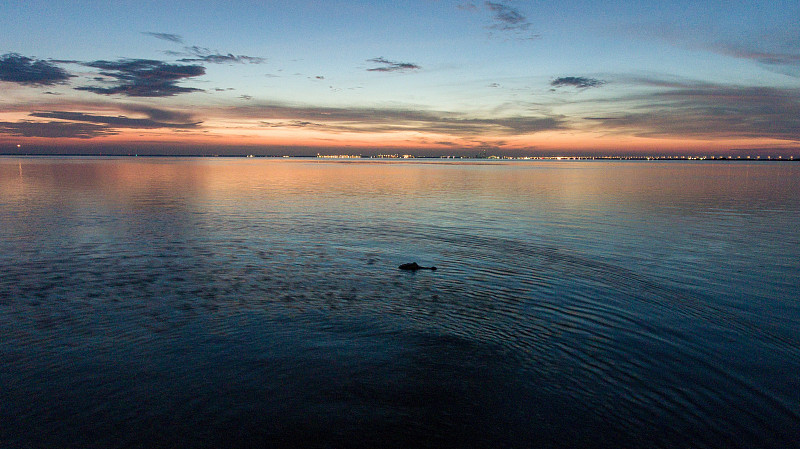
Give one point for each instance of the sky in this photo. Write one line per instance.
(424, 77)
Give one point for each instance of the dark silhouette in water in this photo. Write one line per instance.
(414, 267)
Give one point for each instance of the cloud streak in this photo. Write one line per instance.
(202, 54)
(144, 77)
(165, 36)
(15, 68)
(385, 65)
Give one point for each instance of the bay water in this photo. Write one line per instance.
(224, 302)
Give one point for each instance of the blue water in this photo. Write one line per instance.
(149, 303)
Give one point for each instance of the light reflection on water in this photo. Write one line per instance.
(230, 303)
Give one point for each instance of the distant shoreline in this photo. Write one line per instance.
(444, 157)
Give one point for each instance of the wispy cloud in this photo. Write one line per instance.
(144, 77)
(385, 65)
(55, 129)
(775, 48)
(203, 54)
(579, 82)
(165, 36)
(15, 68)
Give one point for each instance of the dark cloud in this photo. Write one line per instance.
(161, 115)
(165, 36)
(144, 77)
(706, 110)
(113, 121)
(55, 129)
(15, 68)
(391, 66)
(246, 97)
(202, 54)
(579, 82)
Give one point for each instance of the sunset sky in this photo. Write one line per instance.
(422, 77)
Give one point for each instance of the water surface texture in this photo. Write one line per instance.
(216, 303)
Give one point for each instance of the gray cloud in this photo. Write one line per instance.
(386, 65)
(15, 68)
(55, 129)
(579, 82)
(165, 36)
(113, 121)
(202, 54)
(144, 77)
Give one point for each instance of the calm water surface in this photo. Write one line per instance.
(148, 303)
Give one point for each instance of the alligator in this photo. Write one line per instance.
(414, 267)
